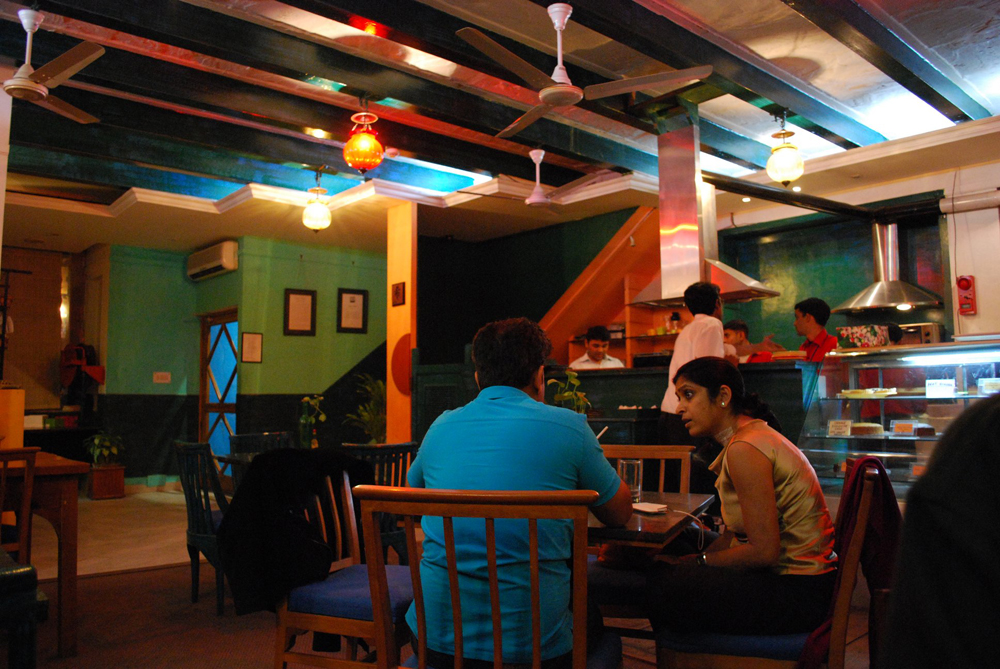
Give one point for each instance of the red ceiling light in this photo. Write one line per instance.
(363, 151)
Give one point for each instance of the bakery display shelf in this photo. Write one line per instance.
(958, 396)
(889, 436)
(882, 455)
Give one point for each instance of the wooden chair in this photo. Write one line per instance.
(15, 531)
(723, 651)
(412, 503)
(391, 461)
(341, 604)
(656, 452)
(200, 481)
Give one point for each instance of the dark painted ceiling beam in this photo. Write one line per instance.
(42, 162)
(192, 88)
(728, 145)
(214, 34)
(863, 34)
(657, 37)
(102, 140)
(783, 196)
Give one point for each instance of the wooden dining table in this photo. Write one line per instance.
(651, 530)
(54, 498)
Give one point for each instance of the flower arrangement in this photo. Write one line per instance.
(865, 336)
(568, 393)
(311, 412)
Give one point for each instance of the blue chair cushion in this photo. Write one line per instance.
(606, 653)
(346, 593)
(780, 647)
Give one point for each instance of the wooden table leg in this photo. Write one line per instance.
(56, 500)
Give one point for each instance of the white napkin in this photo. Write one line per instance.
(649, 507)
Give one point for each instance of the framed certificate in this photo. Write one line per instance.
(251, 347)
(352, 311)
(300, 312)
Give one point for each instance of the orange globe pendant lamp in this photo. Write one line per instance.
(363, 151)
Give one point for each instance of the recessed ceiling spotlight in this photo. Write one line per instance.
(746, 199)
(797, 189)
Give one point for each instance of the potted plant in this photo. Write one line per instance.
(107, 474)
(370, 416)
(568, 393)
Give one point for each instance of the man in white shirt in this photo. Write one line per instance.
(700, 338)
(597, 339)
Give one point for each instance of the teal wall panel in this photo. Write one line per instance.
(463, 285)
(830, 258)
(151, 324)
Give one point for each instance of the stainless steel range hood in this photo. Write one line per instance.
(689, 245)
(888, 291)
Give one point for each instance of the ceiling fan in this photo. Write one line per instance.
(34, 85)
(558, 90)
(539, 197)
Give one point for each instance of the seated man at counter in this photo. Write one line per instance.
(508, 439)
(597, 340)
(737, 334)
(811, 315)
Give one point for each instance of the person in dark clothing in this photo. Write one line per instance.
(943, 610)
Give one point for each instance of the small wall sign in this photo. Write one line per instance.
(838, 428)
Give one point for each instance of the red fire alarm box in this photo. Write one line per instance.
(966, 285)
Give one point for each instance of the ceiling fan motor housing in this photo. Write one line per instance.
(560, 95)
(21, 87)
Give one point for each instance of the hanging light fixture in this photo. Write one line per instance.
(785, 164)
(363, 151)
(316, 215)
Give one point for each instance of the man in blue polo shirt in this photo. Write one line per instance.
(508, 439)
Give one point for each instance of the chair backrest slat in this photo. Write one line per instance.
(19, 506)
(408, 504)
(390, 461)
(200, 482)
(536, 599)
(659, 452)
(495, 614)
(849, 564)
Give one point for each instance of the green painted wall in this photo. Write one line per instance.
(294, 364)
(463, 285)
(822, 256)
(151, 324)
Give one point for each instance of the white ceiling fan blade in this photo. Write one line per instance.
(585, 180)
(522, 68)
(527, 119)
(65, 66)
(664, 80)
(53, 103)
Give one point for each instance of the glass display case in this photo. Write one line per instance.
(893, 403)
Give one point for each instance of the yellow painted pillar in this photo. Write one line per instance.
(401, 319)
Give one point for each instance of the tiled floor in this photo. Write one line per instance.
(148, 529)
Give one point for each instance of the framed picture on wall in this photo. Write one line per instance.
(352, 310)
(300, 312)
(251, 347)
(398, 294)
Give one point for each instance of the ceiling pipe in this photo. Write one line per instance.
(989, 199)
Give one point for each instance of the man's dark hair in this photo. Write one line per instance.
(509, 352)
(598, 332)
(737, 325)
(895, 333)
(815, 307)
(701, 298)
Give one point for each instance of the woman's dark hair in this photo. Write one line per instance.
(509, 352)
(713, 373)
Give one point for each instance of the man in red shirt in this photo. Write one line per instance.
(811, 315)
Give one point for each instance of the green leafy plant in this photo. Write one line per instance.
(568, 393)
(104, 448)
(370, 416)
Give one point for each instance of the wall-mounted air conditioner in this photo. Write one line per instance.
(221, 257)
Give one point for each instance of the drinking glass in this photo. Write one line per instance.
(630, 471)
